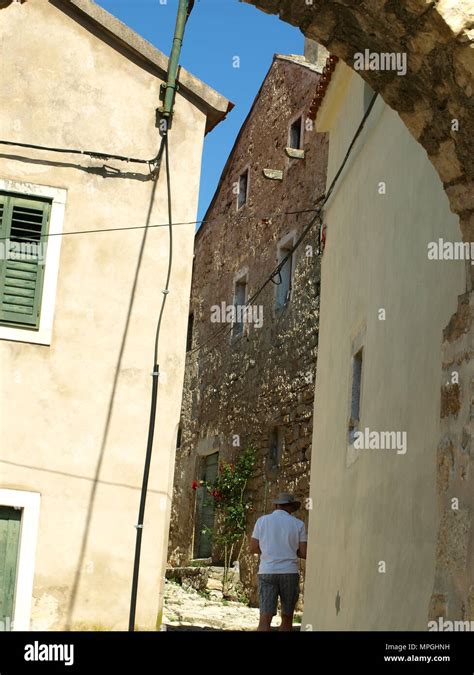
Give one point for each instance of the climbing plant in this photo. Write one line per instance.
(232, 506)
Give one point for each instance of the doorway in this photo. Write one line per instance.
(205, 507)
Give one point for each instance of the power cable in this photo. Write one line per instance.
(279, 267)
(185, 6)
(189, 222)
(89, 153)
(154, 401)
(146, 472)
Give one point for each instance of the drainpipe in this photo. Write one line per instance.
(169, 89)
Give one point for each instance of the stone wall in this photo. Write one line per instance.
(247, 387)
(453, 593)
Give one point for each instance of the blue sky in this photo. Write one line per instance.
(217, 31)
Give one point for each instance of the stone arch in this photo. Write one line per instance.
(438, 37)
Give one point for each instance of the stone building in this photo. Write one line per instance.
(78, 321)
(252, 383)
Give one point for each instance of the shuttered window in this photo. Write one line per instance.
(23, 225)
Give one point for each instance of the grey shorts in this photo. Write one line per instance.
(274, 586)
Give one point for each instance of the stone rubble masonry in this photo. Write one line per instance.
(438, 87)
(437, 90)
(264, 379)
(453, 591)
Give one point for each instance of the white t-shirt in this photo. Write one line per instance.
(279, 535)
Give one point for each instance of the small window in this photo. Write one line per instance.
(240, 299)
(179, 437)
(357, 362)
(295, 134)
(285, 278)
(189, 339)
(24, 223)
(243, 189)
(275, 448)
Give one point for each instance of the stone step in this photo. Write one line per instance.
(206, 578)
(189, 577)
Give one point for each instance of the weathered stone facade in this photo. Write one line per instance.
(262, 382)
(453, 594)
(434, 100)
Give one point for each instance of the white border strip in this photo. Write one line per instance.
(29, 502)
(43, 335)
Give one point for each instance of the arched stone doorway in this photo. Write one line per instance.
(435, 101)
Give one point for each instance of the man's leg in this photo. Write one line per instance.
(268, 598)
(286, 622)
(289, 593)
(264, 625)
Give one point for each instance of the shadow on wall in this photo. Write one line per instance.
(92, 498)
(104, 170)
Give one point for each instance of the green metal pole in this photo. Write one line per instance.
(170, 87)
(166, 112)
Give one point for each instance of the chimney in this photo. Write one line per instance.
(315, 53)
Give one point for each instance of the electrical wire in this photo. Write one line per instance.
(188, 222)
(154, 399)
(89, 153)
(227, 328)
(156, 368)
(170, 249)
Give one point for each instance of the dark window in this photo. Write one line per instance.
(178, 437)
(295, 134)
(243, 189)
(284, 279)
(275, 448)
(240, 299)
(355, 395)
(189, 339)
(205, 504)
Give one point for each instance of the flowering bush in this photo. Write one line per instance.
(232, 505)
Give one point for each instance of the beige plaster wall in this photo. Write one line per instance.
(74, 415)
(376, 505)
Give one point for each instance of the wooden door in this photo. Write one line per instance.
(10, 521)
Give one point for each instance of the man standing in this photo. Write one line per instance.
(280, 539)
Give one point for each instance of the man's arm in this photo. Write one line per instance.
(301, 552)
(254, 545)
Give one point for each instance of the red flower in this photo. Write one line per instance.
(323, 238)
(195, 485)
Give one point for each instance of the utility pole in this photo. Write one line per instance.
(166, 113)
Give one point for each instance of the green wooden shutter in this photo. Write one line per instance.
(24, 221)
(10, 520)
